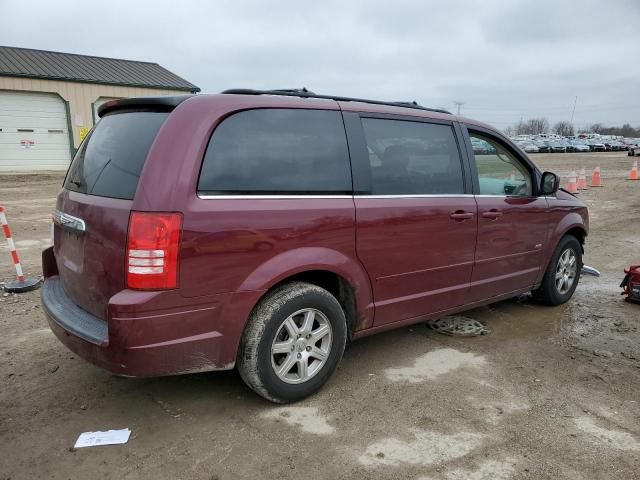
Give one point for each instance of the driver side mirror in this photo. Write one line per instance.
(549, 184)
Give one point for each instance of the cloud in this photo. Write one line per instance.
(505, 60)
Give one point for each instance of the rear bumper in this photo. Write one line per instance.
(139, 343)
(67, 315)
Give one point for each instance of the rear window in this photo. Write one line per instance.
(412, 158)
(267, 151)
(109, 161)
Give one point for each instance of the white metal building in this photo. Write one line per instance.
(49, 101)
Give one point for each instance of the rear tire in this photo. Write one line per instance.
(563, 273)
(292, 343)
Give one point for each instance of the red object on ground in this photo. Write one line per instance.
(12, 245)
(631, 284)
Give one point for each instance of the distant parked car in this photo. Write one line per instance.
(596, 145)
(557, 147)
(481, 148)
(618, 146)
(579, 146)
(528, 147)
(567, 145)
(630, 142)
(543, 147)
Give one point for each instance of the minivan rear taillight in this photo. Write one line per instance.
(153, 243)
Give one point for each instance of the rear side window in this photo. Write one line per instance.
(109, 161)
(277, 151)
(412, 158)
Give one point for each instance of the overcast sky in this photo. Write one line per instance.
(505, 60)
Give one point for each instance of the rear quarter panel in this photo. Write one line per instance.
(252, 244)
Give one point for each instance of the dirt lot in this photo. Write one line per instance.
(551, 393)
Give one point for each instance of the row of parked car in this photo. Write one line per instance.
(557, 144)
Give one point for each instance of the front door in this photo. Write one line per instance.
(416, 228)
(512, 221)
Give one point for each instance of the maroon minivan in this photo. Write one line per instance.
(264, 229)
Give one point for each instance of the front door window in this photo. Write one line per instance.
(499, 172)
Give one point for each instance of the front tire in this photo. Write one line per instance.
(292, 343)
(563, 273)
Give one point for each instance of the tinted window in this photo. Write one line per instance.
(412, 158)
(499, 172)
(277, 151)
(109, 161)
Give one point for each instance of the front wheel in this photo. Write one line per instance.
(292, 343)
(563, 273)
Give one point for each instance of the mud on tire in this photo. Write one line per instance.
(266, 332)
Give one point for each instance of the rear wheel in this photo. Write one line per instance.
(563, 273)
(292, 343)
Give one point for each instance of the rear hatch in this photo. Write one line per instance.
(93, 209)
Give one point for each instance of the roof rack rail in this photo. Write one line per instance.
(304, 93)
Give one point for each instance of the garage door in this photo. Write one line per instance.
(33, 132)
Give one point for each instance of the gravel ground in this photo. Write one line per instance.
(552, 393)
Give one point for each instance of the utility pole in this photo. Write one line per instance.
(459, 104)
(574, 109)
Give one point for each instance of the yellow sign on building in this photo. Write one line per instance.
(83, 132)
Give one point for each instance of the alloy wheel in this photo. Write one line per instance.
(301, 346)
(566, 271)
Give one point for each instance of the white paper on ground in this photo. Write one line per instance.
(110, 437)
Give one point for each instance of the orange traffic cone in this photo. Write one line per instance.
(573, 186)
(582, 180)
(633, 175)
(596, 181)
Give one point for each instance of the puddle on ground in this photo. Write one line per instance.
(427, 448)
(518, 318)
(434, 364)
(307, 418)
(596, 319)
(612, 438)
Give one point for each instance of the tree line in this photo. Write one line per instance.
(535, 126)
